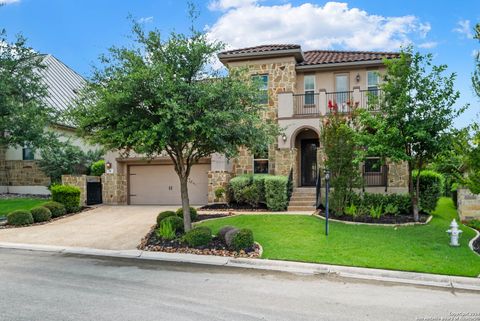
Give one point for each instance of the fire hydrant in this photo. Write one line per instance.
(454, 233)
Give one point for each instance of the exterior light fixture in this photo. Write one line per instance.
(108, 165)
(327, 189)
(357, 78)
(284, 138)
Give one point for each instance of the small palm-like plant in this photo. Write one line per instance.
(165, 231)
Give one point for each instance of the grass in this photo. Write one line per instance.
(420, 248)
(9, 205)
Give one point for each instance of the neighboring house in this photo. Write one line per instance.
(23, 175)
(299, 87)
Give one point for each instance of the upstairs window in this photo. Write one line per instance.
(260, 162)
(27, 154)
(262, 81)
(309, 87)
(372, 82)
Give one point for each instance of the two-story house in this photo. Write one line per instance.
(299, 88)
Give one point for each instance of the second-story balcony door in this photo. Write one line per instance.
(342, 92)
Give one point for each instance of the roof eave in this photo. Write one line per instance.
(365, 63)
(297, 53)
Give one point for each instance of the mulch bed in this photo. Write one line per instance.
(84, 209)
(233, 207)
(385, 219)
(151, 243)
(476, 245)
(6, 196)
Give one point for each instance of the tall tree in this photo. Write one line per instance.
(476, 73)
(416, 115)
(23, 113)
(160, 95)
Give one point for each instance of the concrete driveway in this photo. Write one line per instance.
(104, 227)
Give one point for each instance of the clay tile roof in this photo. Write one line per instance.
(262, 48)
(321, 57)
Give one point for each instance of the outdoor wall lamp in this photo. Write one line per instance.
(284, 138)
(357, 78)
(108, 165)
(327, 189)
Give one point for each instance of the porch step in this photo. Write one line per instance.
(297, 202)
(303, 199)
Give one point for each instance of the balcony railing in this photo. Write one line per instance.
(376, 179)
(340, 101)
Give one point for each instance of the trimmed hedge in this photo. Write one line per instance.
(163, 215)
(41, 214)
(57, 209)
(431, 189)
(199, 236)
(242, 240)
(237, 186)
(276, 189)
(68, 195)
(97, 168)
(193, 213)
(176, 222)
(20, 217)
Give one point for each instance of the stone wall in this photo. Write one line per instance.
(22, 173)
(468, 204)
(398, 174)
(79, 181)
(215, 180)
(114, 189)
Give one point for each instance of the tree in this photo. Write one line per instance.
(476, 73)
(339, 141)
(416, 115)
(161, 96)
(23, 113)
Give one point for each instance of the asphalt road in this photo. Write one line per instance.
(48, 287)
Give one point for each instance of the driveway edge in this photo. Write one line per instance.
(389, 276)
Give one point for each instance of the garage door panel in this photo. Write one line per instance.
(159, 184)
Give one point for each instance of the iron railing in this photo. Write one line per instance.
(306, 104)
(370, 99)
(340, 101)
(318, 191)
(376, 179)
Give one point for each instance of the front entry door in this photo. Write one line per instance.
(309, 162)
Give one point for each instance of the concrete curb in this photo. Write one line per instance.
(398, 277)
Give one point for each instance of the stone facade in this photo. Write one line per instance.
(22, 173)
(215, 180)
(114, 189)
(398, 174)
(468, 205)
(79, 181)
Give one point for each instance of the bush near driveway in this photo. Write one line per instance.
(163, 215)
(20, 217)
(193, 213)
(68, 195)
(419, 248)
(199, 236)
(12, 204)
(41, 214)
(57, 209)
(276, 189)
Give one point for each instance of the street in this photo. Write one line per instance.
(50, 286)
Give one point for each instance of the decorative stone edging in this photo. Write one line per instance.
(377, 224)
(470, 244)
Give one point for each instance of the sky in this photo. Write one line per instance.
(77, 32)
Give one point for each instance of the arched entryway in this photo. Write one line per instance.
(307, 143)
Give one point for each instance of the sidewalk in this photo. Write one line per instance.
(394, 277)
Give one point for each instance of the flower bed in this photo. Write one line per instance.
(384, 219)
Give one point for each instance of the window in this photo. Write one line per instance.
(373, 165)
(262, 81)
(309, 87)
(27, 153)
(372, 82)
(260, 162)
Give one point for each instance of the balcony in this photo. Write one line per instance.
(322, 103)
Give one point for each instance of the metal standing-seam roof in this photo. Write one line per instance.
(63, 86)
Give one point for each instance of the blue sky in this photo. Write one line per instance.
(78, 31)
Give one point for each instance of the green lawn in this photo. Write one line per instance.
(410, 248)
(9, 205)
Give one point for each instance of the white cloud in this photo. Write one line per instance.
(464, 28)
(145, 20)
(8, 1)
(475, 53)
(333, 25)
(428, 44)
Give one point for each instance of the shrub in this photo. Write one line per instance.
(199, 236)
(41, 214)
(175, 221)
(237, 186)
(474, 224)
(97, 168)
(351, 210)
(193, 213)
(20, 217)
(431, 187)
(219, 192)
(163, 215)
(223, 231)
(276, 188)
(69, 196)
(230, 235)
(402, 201)
(376, 211)
(242, 240)
(391, 209)
(166, 230)
(57, 209)
(364, 202)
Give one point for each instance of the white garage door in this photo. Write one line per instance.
(159, 184)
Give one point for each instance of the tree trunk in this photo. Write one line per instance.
(187, 222)
(3, 166)
(412, 192)
(416, 209)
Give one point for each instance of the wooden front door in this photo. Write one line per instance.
(308, 162)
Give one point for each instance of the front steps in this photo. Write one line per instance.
(303, 199)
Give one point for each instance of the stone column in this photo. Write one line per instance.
(217, 179)
(114, 189)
